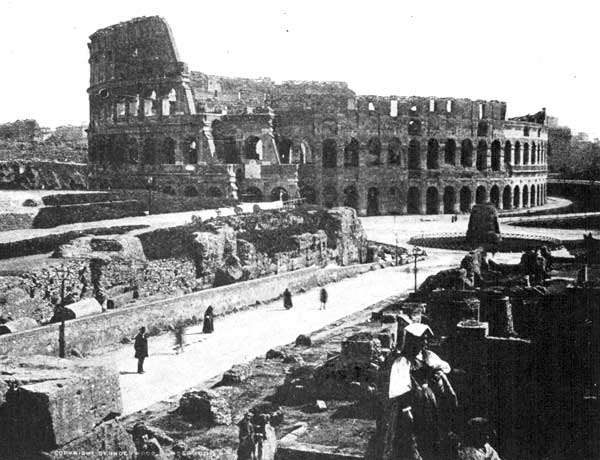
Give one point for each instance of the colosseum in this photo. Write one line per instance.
(188, 133)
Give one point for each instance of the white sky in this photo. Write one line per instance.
(529, 53)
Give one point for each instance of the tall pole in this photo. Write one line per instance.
(415, 254)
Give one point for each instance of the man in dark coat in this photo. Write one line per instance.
(323, 298)
(141, 349)
(287, 299)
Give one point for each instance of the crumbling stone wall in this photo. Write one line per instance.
(43, 175)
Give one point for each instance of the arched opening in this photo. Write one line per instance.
(329, 156)
(394, 151)
(132, 153)
(525, 153)
(482, 129)
(495, 196)
(465, 199)
(374, 149)
(414, 154)
(190, 191)
(192, 151)
(250, 150)
(433, 154)
(480, 195)
(229, 149)
(351, 153)
(214, 192)
(149, 153)
(284, 147)
(533, 153)
(351, 197)
(450, 152)
(252, 195)
(507, 152)
(466, 153)
(481, 156)
(309, 194)
(373, 202)
(394, 201)
(517, 197)
(449, 200)
(432, 202)
(168, 190)
(413, 201)
(496, 151)
(305, 152)
(517, 153)
(329, 197)
(168, 151)
(506, 201)
(279, 194)
(525, 196)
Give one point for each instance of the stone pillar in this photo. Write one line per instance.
(423, 200)
(497, 312)
(362, 201)
(488, 158)
(473, 198)
(456, 209)
(179, 156)
(441, 204)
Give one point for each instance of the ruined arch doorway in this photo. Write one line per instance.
(465, 199)
(432, 203)
(373, 202)
(480, 195)
(413, 201)
(449, 200)
(351, 197)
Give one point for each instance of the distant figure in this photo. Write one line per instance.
(323, 298)
(475, 445)
(260, 422)
(287, 299)
(246, 446)
(208, 325)
(83, 281)
(179, 337)
(141, 349)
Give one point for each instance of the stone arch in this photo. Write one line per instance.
(214, 192)
(507, 152)
(191, 144)
(525, 199)
(284, 148)
(351, 153)
(190, 191)
(169, 190)
(480, 195)
(481, 162)
(466, 153)
(168, 151)
(351, 197)
(305, 152)
(413, 201)
(309, 194)
(250, 148)
(394, 151)
(449, 200)
(495, 195)
(329, 196)
(414, 154)
(525, 153)
(517, 153)
(329, 153)
(432, 201)
(394, 201)
(252, 195)
(506, 201)
(433, 149)
(329, 128)
(374, 149)
(279, 193)
(450, 152)
(227, 150)
(373, 201)
(496, 153)
(465, 199)
(517, 197)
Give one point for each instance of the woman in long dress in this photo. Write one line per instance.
(208, 325)
(411, 425)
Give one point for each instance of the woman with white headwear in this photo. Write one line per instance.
(411, 425)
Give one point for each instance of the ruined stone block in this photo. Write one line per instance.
(205, 406)
(237, 374)
(360, 349)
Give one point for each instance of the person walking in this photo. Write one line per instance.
(141, 349)
(287, 299)
(179, 337)
(208, 325)
(323, 298)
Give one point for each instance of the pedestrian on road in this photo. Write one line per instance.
(141, 349)
(179, 337)
(323, 297)
(287, 299)
(208, 325)
(246, 447)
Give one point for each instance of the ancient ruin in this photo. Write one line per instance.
(153, 122)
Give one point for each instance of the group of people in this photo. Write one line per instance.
(141, 339)
(287, 299)
(416, 415)
(253, 432)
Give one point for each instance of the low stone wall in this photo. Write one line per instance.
(61, 215)
(16, 221)
(110, 328)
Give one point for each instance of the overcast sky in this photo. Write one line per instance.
(529, 53)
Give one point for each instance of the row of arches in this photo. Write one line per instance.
(123, 149)
(466, 155)
(430, 200)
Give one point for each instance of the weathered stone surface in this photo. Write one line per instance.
(320, 405)
(361, 348)
(50, 402)
(483, 225)
(18, 325)
(141, 429)
(84, 307)
(453, 278)
(237, 374)
(303, 341)
(230, 272)
(275, 354)
(205, 406)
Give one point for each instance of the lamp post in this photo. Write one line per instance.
(416, 252)
(150, 182)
